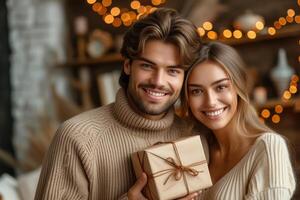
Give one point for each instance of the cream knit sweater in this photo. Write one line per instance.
(89, 157)
(264, 173)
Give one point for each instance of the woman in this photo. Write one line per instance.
(247, 160)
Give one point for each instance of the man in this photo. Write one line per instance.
(89, 157)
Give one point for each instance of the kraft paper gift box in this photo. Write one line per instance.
(174, 169)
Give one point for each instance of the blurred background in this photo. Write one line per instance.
(61, 57)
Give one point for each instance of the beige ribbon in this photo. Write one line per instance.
(178, 171)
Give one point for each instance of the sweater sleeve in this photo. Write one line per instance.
(63, 175)
(273, 176)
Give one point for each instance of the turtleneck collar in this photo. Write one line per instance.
(125, 114)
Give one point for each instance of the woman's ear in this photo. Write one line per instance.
(126, 67)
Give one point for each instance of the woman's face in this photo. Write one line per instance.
(211, 95)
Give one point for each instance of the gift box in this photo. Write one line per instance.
(174, 169)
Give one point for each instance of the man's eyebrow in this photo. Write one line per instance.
(153, 63)
(214, 83)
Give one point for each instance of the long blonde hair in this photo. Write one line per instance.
(246, 119)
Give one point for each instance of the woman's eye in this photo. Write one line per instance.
(196, 91)
(221, 87)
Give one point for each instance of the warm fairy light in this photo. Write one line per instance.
(207, 26)
(156, 2)
(293, 89)
(287, 95)
(251, 35)
(298, 58)
(132, 15)
(275, 118)
(278, 109)
(148, 8)
(277, 25)
(299, 2)
(106, 3)
(117, 22)
(109, 19)
(212, 35)
(227, 33)
(127, 23)
(282, 21)
(201, 31)
(135, 5)
(291, 12)
(295, 78)
(125, 17)
(102, 11)
(265, 113)
(91, 1)
(297, 19)
(289, 19)
(237, 34)
(115, 11)
(142, 9)
(271, 31)
(259, 25)
(97, 7)
(153, 9)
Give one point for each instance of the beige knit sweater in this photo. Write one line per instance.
(264, 173)
(89, 157)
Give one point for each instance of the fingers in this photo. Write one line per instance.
(191, 196)
(135, 192)
(140, 183)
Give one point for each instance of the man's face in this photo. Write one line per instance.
(156, 78)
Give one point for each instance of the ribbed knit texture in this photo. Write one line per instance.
(89, 157)
(264, 173)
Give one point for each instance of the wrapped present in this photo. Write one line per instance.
(174, 169)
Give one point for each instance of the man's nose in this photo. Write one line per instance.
(158, 78)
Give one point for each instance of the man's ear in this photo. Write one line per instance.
(126, 67)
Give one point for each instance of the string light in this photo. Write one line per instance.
(265, 113)
(251, 35)
(207, 26)
(276, 118)
(278, 109)
(109, 14)
(91, 1)
(271, 31)
(237, 34)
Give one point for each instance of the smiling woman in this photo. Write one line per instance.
(254, 160)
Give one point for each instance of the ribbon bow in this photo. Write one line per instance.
(178, 171)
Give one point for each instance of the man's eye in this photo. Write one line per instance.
(175, 71)
(146, 65)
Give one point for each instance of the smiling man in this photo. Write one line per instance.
(89, 157)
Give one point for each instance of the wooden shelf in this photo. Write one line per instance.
(109, 58)
(294, 102)
(285, 32)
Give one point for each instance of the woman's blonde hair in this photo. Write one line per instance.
(246, 119)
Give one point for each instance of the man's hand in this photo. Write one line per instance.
(135, 192)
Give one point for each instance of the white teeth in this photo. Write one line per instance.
(157, 94)
(214, 113)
